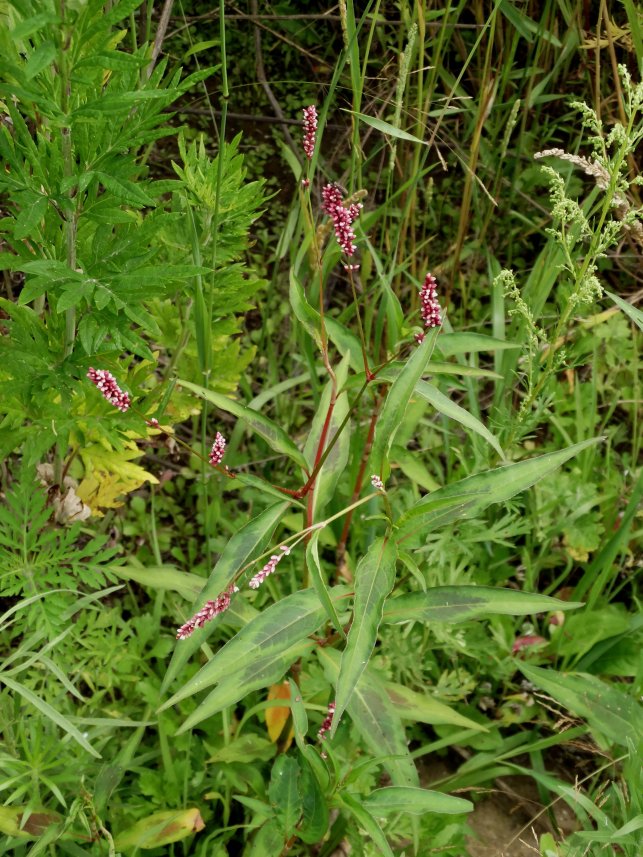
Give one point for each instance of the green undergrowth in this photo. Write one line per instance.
(410, 573)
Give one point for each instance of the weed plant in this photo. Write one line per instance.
(302, 496)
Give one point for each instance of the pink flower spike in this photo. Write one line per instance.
(206, 613)
(218, 449)
(323, 729)
(342, 216)
(108, 386)
(268, 568)
(310, 130)
(430, 308)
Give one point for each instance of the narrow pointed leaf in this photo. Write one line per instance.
(271, 632)
(367, 822)
(376, 720)
(319, 584)
(251, 540)
(445, 406)
(374, 579)
(426, 709)
(463, 343)
(460, 603)
(314, 821)
(470, 496)
(337, 459)
(50, 713)
(387, 128)
(284, 795)
(635, 314)
(609, 711)
(261, 671)
(394, 799)
(398, 397)
(274, 435)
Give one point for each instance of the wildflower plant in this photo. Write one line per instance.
(333, 617)
(583, 232)
(356, 520)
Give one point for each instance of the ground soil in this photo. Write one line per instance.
(509, 819)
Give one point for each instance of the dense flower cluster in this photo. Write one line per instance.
(206, 613)
(310, 130)
(377, 483)
(341, 215)
(323, 729)
(218, 449)
(108, 386)
(269, 567)
(429, 305)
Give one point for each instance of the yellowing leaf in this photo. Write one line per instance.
(161, 828)
(277, 717)
(110, 474)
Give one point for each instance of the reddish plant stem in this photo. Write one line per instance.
(341, 547)
(320, 451)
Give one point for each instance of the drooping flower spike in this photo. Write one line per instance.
(218, 449)
(108, 386)
(269, 567)
(341, 215)
(310, 130)
(209, 610)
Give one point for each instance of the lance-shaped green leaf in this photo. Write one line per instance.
(272, 631)
(49, 712)
(426, 709)
(337, 459)
(305, 314)
(375, 719)
(374, 579)
(610, 712)
(460, 603)
(470, 496)
(437, 367)
(366, 820)
(319, 584)
(398, 397)
(260, 671)
(284, 794)
(444, 405)
(252, 539)
(394, 799)
(340, 336)
(387, 128)
(314, 821)
(635, 314)
(274, 435)
(463, 343)
(169, 577)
